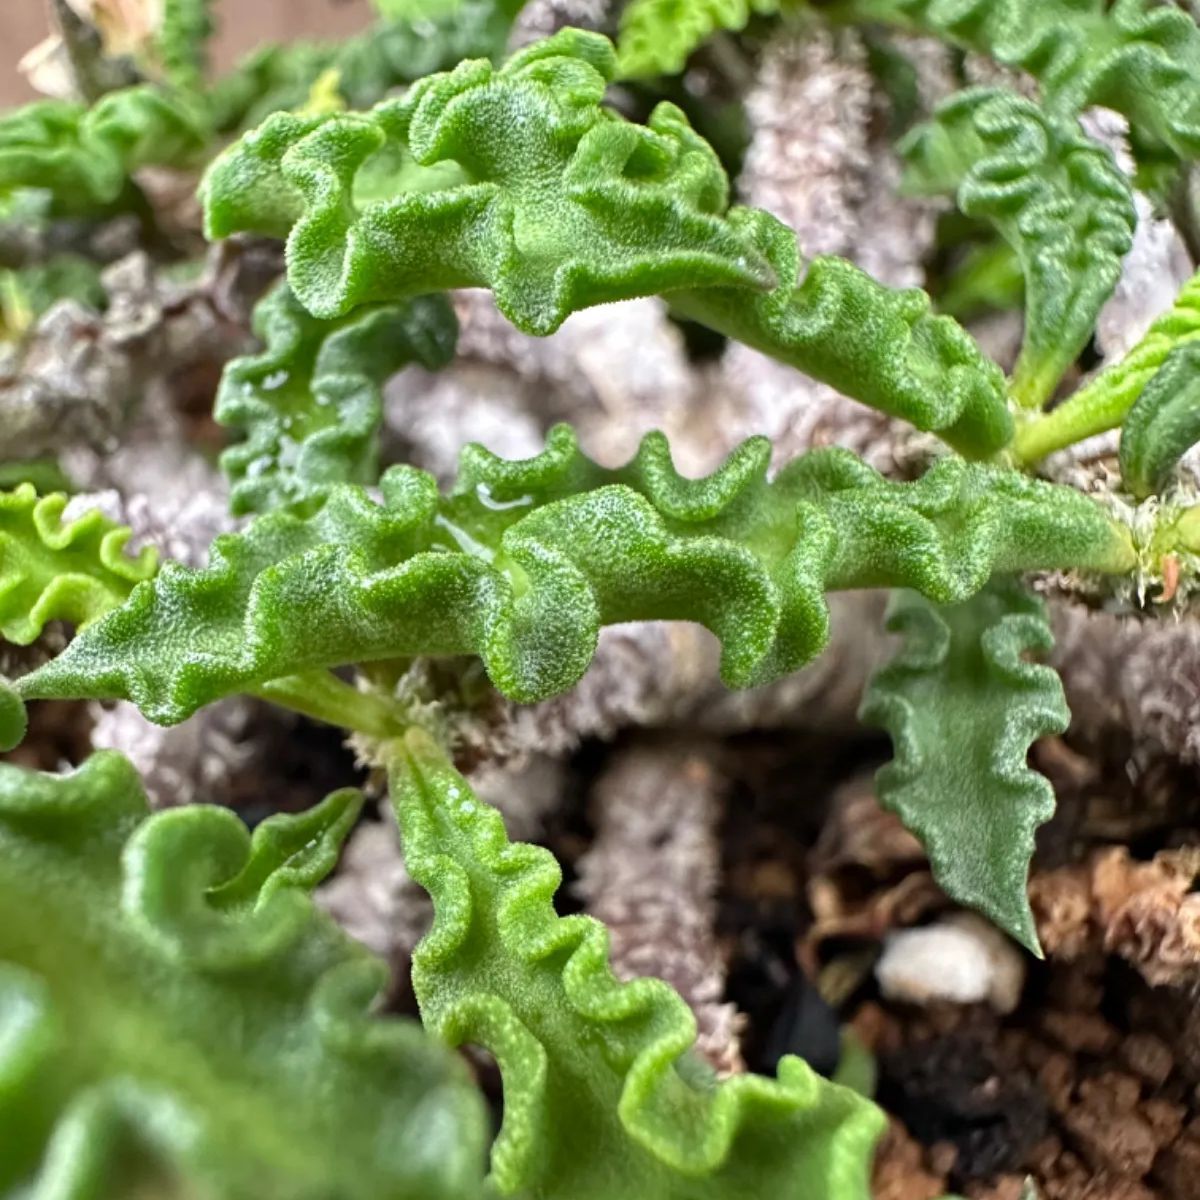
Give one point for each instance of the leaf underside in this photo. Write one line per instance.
(310, 403)
(963, 704)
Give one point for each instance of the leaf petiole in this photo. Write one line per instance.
(324, 697)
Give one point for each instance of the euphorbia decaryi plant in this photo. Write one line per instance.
(176, 1018)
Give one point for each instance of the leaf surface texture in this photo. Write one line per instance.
(963, 704)
(178, 1019)
(55, 571)
(602, 1096)
(520, 180)
(524, 561)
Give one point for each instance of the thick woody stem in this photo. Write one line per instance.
(651, 876)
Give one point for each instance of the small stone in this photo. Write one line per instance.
(961, 960)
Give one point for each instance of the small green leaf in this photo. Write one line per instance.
(1164, 422)
(310, 403)
(657, 37)
(520, 180)
(1136, 56)
(177, 1019)
(85, 156)
(602, 1096)
(524, 561)
(1058, 198)
(962, 704)
(182, 42)
(55, 572)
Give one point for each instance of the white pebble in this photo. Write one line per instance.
(962, 959)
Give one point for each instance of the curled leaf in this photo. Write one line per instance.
(51, 571)
(962, 704)
(182, 41)
(85, 156)
(658, 36)
(602, 1095)
(519, 180)
(310, 403)
(185, 1022)
(1060, 201)
(524, 561)
(1164, 422)
(1136, 56)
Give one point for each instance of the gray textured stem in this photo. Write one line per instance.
(651, 876)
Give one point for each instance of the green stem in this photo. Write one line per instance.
(1104, 403)
(1093, 409)
(1031, 386)
(324, 697)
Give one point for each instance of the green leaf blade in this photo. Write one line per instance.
(1163, 424)
(657, 37)
(310, 403)
(151, 1033)
(962, 705)
(1059, 200)
(523, 562)
(85, 156)
(51, 571)
(500, 969)
(437, 191)
(1105, 401)
(182, 42)
(1135, 56)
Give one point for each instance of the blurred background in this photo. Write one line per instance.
(23, 23)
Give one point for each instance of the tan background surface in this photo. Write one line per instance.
(244, 23)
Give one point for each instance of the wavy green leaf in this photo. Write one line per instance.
(388, 54)
(178, 1019)
(182, 42)
(1104, 402)
(602, 1097)
(963, 704)
(1136, 56)
(1163, 424)
(1058, 198)
(657, 37)
(310, 404)
(524, 561)
(519, 180)
(50, 571)
(85, 156)
(271, 79)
